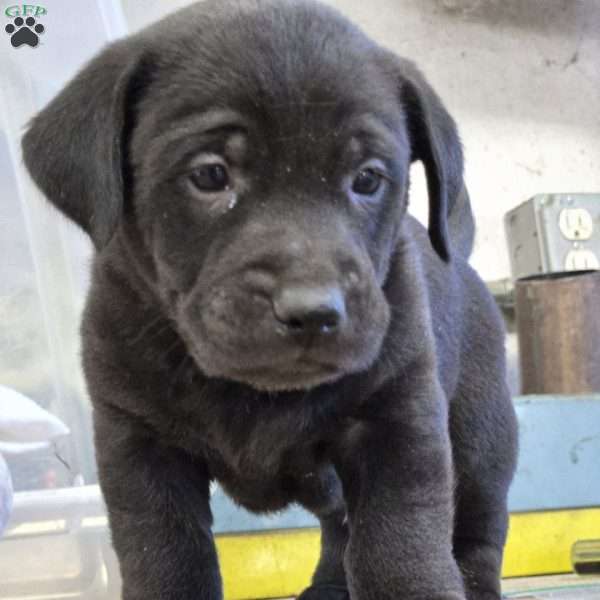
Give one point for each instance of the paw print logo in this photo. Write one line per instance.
(24, 32)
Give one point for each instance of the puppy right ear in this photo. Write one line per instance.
(75, 148)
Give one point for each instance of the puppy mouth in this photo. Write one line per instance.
(282, 367)
(233, 336)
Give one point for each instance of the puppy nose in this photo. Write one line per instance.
(310, 309)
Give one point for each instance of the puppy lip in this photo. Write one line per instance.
(276, 380)
(295, 368)
(294, 374)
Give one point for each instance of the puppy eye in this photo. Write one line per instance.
(210, 177)
(367, 182)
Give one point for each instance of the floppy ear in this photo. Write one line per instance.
(75, 149)
(435, 142)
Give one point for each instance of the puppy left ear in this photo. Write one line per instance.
(75, 148)
(434, 141)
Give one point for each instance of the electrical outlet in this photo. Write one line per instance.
(550, 233)
(576, 223)
(581, 260)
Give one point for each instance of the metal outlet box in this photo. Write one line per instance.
(554, 232)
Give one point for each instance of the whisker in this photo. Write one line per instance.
(147, 328)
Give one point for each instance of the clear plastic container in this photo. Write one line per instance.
(57, 543)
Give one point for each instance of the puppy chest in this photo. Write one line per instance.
(302, 475)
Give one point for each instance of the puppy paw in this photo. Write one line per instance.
(325, 592)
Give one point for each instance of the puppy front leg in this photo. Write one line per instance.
(397, 475)
(158, 506)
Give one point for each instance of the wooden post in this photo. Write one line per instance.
(558, 323)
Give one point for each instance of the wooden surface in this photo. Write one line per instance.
(554, 587)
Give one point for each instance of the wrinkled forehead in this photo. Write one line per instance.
(298, 79)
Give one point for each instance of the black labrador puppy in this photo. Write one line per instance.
(265, 313)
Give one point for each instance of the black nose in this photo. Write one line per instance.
(310, 309)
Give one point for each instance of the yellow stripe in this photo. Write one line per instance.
(540, 543)
(267, 564)
(276, 564)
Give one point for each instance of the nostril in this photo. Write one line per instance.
(294, 323)
(304, 309)
(323, 318)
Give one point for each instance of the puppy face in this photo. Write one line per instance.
(270, 199)
(262, 167)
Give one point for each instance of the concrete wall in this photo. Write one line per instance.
(521, 77)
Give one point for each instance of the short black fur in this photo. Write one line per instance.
(284, 336)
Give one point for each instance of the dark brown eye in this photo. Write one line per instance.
(210, 178)
(366, 183)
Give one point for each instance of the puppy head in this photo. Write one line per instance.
(258, 155)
